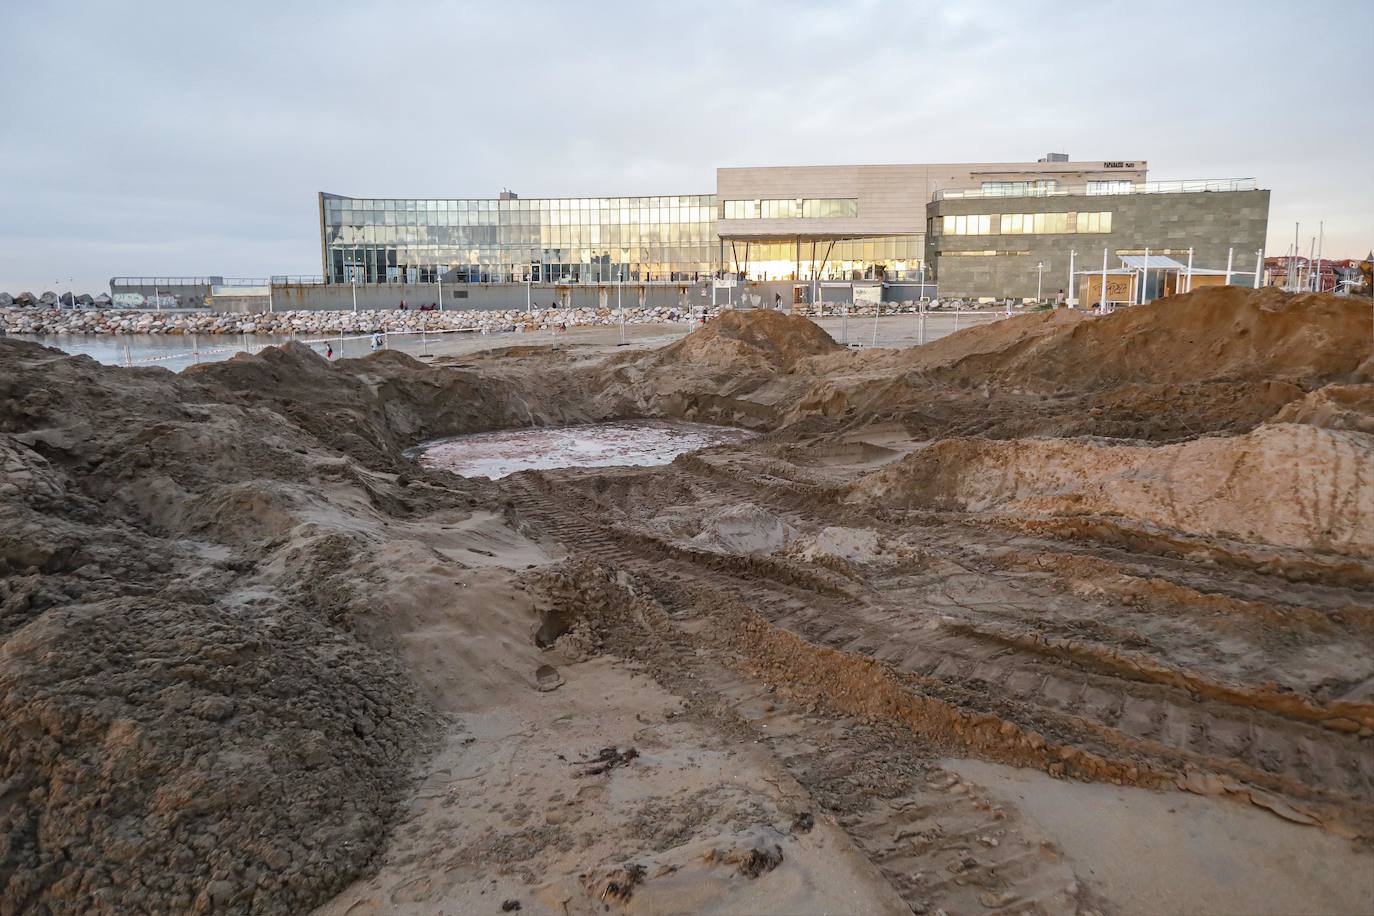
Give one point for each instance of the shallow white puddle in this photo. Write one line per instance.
(641, 443)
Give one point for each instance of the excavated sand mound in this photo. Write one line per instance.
(190, 720)
(753, 337)
(1333, 407)
(1288, 485)
(1219, 332)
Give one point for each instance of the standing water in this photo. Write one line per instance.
(641, 443)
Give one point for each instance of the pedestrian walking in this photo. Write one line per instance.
(328, 350)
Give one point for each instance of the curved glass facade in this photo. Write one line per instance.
(572, 240)
(591, 240)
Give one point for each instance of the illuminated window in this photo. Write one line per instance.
(1095, 222)
(1020, 188)
(1114, 186)
(974, 224)
(791, 208)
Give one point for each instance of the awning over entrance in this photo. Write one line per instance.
(1155, 262)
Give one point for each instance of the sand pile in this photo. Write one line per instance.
(1333, 407)
(1287, 484)
(760, 337)
(373, 408)
(743, 369)
(743, 529)
(1218, 360)
(1214, 333)
(189, 716)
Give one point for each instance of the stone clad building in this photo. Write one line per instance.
(981, 245)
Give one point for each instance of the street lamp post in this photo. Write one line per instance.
(529, 279)
(619, 304)
(1102, 304)
(1039, 280)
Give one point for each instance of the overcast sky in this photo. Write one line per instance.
(181, 138)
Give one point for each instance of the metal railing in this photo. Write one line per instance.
(1186, 186)
(165, 281)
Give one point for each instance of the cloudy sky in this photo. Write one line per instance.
(189, 138)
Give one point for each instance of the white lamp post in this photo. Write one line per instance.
(1145, 275)
(1102, 305)
(619, 289)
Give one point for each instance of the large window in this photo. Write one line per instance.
(789, 208)
(1095, 222)
(1026, 223)
(1113, 186)
(893, 258)
(741, 209)
(1034, 223)
(974, 224)
(1020, 188)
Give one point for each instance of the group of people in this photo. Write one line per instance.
(377, 343)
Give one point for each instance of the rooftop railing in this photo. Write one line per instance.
(1108, 188)
(297, 280)
(165, 281)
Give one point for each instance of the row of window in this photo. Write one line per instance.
(981, 254)
(516, 204)
(1113, 186)
(791, 208)
(1047, 186)
(623, 217)
(1019, 188)
(1027, 223)
(887, 248)
(893, 257)
(524, 236)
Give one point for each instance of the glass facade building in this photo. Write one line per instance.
(590, 240)
(510, 240)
